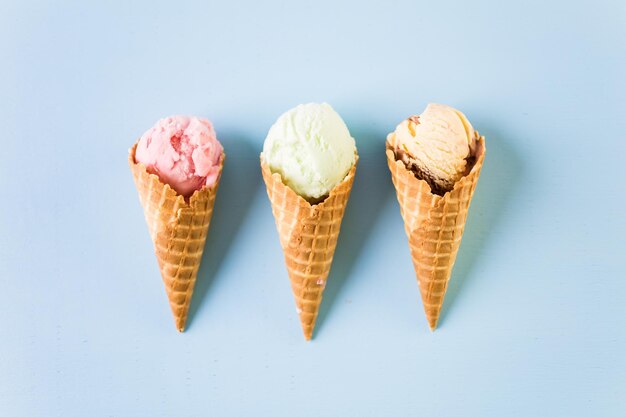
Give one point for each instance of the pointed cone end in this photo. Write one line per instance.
(307, 312)
(307, 323)
(180, 324)
(308, 333)
(432, 323)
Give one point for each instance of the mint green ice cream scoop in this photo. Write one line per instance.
(311, 148)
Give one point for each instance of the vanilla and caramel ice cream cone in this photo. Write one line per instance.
(434, 198)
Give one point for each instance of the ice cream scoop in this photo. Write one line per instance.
(183, 152)
(311, 148)
(436, 145)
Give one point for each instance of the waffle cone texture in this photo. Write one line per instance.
(434, 226)
(178, 229)
(308, 236)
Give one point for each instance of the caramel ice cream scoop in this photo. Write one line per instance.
(436, 145)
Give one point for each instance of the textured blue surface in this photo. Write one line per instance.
(534, 323)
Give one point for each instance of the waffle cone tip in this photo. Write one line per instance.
(432, 323)
(432, 315)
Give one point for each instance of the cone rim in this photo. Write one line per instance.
(479, 154)
(301, 200)
(186, 202)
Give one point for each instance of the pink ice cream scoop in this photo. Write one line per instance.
(183, 151)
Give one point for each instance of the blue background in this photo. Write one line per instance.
(534, 323)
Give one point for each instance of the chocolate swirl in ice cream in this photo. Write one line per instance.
(438, 146)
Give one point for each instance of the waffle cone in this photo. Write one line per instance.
(178, 229)
(434, 225)
(308, 235)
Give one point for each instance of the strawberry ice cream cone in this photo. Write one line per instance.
(177, 167)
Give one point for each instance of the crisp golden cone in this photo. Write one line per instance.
(308, 235)
(434, 225)
(178, 230)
